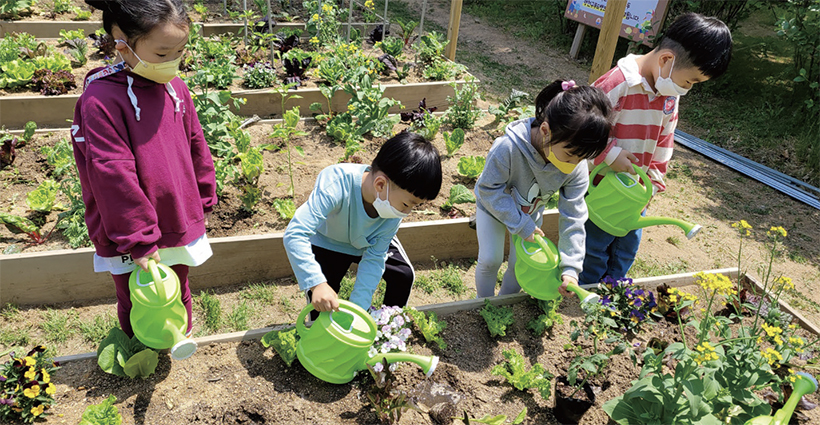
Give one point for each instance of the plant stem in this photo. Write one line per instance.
(704, 329)
(682, 334)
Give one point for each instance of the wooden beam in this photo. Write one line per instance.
(452, 29)
(576, 42)
(50, 277)
(608, 38)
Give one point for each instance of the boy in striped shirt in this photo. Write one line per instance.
(644, 91)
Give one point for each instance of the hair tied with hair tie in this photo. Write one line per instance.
(566, 85)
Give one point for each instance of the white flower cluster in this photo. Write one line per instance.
(393, 329)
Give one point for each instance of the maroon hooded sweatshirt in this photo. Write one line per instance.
(146, 171)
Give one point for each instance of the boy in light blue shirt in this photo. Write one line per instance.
(353, 214)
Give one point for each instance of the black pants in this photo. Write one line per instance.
(398, 272)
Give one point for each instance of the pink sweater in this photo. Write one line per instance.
(146, 171)
(644, 121)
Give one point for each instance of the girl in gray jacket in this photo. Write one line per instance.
(536, 157)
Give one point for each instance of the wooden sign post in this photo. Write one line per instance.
(452, 30)
(608, 39)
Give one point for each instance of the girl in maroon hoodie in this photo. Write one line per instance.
(146, 171)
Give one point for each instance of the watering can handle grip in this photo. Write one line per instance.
(300, 321)
(594, 173)
(152, 266)
(542, 243)
(647, 182)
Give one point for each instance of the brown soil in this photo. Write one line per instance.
(244, 383)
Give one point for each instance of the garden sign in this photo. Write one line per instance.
(642, 18)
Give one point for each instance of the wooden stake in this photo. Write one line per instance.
(576, 42)
(608, 38)
(452, 31)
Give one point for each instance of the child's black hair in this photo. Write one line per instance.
(412, 163)
(699, 41)
(136, 18)
(579, 116)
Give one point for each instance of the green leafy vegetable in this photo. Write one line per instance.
(104, 413)
(453, 141)
(115, 353)
(497, 318)
(519, 377)
(16, 73)
(429, 326)
(285, 207)
(546, 321)
(44, 198)
(284, 342)
(459, 194)
(471, 166)
(31, 126)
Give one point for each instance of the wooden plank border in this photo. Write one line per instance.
(58, 111)
(675, 280)
(51, 277)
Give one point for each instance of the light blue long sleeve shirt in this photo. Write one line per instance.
(334, 218)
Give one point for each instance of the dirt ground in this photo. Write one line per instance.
(243, 383)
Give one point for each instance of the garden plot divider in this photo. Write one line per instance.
(51, 277)
(56, 111)
(651, 283)
(51, 29)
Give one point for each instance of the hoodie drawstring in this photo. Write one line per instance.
(173, 94)
(133, 97)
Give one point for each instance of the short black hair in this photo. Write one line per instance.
(699, 41)
(136, 18)
(579, 116)
(412, 163)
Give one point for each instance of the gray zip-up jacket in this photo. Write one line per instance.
(517, 182)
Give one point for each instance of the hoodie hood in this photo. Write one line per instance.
(120, 74)
(520, 133)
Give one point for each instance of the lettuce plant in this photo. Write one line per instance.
(16, 73)
(471, 166)
(123, 356)
(259, 75)
(545, 322)
(516, 373)
(388, 401)
(66, 35)
(453, 141)
(429, 326)
(104, 413)
(13, 9)
(8, 149)
(284, 342)
(497, 318)
(459, 194)
(52, 83)
(44, 198)
(285, 207)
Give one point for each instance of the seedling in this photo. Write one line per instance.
(429, 326)
(284, 342)
(497, 318)
(516, 373)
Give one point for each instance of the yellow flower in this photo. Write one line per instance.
(314, 40)
(778, 340)
(705, 353)
(38, 410)
(785, 282)
(774, 231)
(29, 361)
(369, 4)
(51, 389)
(772, 355)
(327, 8)
(743, 227)
(30, 373)
(32, 392)
(796, 341)
(712, 282)
(793, 326)
(46, 376)
(315, 17)
(771, 330)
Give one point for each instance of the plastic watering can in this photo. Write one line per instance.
(538, 273)
(335, 347)
(616, 202)
(805, 384)
(158, 317)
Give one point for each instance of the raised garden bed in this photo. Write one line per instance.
(234, 379)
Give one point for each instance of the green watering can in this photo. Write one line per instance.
(335, 346)
(158, 317)
(615, 204)
(805, 384)
(538, 273)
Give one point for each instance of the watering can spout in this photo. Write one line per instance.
(805, 384)
(584, 295)
(690, 229)
(428, 363)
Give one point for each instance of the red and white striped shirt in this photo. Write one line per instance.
(644, 121)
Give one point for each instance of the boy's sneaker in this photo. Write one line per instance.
(471, 222)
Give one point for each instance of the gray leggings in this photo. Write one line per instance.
(491, 235)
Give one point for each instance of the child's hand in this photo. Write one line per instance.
(143, 261)
(324, 298)
(207, 216)
(623, 163)
(567, 280)
(531, 238)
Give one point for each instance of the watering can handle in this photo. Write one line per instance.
(157, 278)
(542, 243)
(647, 182)
(300, 321)
(592, 175)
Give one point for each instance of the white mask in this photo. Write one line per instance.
(384, 208)
(667, 87)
